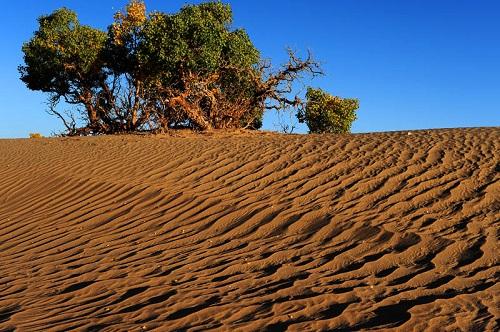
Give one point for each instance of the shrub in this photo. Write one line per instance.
(35, 135)
(324, 113)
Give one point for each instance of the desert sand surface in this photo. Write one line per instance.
(251, 232)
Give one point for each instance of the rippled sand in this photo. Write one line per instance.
(251, 232)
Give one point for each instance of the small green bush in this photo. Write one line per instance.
(35, 135)
(324, 113)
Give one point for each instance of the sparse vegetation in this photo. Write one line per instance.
(153, 72)
(35, 135)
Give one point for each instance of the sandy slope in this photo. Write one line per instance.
(251, 232)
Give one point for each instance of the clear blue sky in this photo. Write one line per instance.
(412, 63)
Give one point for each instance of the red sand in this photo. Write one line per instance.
(251, 232)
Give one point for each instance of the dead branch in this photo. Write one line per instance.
(69, 121)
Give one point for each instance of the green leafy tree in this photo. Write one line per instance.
(153, 72)
(324, 113)
(200, 67)
(64, 59)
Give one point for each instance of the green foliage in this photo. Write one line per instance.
(324, 113)
(121, 48)
(195, 40)
(63, 56)
(195, 37)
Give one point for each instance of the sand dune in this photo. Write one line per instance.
(251, 232)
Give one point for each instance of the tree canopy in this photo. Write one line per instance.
(156, 71)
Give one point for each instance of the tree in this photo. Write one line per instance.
(199, 68)
(64, 59)
(79, 64)
(324, 113)
(153, 72)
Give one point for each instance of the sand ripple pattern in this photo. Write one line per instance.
(258, 232)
